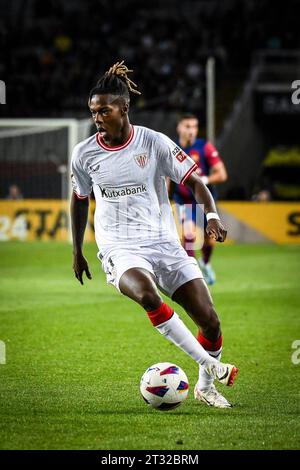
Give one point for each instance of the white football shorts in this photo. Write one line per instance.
(168, 262)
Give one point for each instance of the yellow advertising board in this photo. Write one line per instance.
(277, 222)
(33, 219)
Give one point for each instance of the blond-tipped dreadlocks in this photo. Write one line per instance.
(121, 70)
(116, 82)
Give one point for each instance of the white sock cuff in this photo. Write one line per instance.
(165, 326)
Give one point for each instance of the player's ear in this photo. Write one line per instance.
(125, 108)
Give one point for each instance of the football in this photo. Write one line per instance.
(164, 386)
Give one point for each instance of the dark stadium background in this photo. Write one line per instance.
(52, 53)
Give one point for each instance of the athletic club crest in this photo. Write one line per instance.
(141, 160)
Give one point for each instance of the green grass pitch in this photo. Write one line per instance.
(75, 356)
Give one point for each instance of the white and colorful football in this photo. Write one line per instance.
(164, 386)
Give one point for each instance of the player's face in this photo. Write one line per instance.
(108, 113)
(188, 130)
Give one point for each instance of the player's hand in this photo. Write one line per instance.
(80, 265)
(216, 230)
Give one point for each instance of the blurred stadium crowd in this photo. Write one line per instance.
(52, 52)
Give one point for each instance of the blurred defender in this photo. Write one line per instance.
(212, 171)
(138, 245)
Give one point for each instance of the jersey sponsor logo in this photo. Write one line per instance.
(176, 150)
(181, 156)
(141, 160)
(113, 193)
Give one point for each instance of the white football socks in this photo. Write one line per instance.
(206, 380)
(175, 331)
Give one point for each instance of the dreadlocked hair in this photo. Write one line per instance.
(115, 82)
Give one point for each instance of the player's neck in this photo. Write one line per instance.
(121, 138)
(186, 142)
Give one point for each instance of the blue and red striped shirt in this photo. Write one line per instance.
(206, 156)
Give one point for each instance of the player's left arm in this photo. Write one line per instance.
(179, 167)
(215, 228)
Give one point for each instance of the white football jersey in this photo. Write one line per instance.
(132, 204)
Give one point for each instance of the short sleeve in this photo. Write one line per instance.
(81, 181)
(211, 154)
(174, 162)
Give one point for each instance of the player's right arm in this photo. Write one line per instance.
(82, 186)
(79, 218)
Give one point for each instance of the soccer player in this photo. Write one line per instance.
(212, 171)
(139, 249)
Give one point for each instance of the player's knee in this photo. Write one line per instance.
(149, 299)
